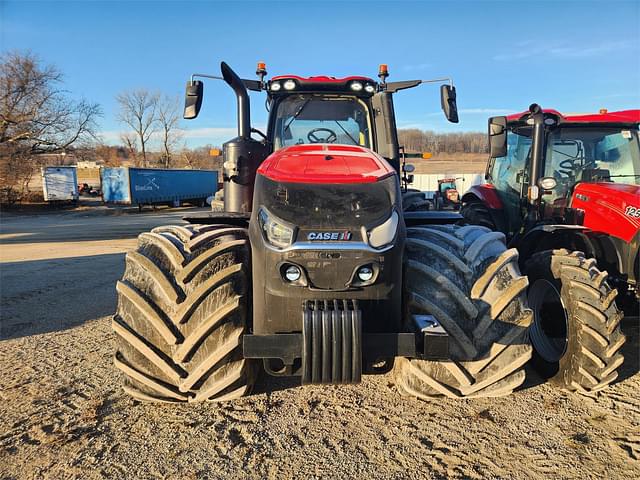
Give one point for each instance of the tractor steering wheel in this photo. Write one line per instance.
(568, 164)
(569, 167)
(330, 138)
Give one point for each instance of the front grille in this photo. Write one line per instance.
(332, 341)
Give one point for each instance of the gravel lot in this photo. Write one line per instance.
(63, 414)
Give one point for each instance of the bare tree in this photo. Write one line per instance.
(139, 110)
(200, 157)
(36, 116)
(169, 121)
(130, 144)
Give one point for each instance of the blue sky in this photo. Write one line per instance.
(571, 56)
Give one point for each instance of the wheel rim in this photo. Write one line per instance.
(549, 331)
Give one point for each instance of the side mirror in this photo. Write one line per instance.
(497, 137)
(193, 99)
(448, 102)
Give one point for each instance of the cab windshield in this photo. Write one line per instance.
(593, 154)
(310, 118)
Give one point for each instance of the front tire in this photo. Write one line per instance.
(467, 279)
(576, 331)
(183, 305)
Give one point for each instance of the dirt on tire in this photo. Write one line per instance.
(182, 310)
(467, 279)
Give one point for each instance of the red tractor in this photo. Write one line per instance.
(315, 269)
(564, 190)
(447, 195)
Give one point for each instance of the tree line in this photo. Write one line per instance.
(415, 140)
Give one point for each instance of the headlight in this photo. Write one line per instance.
(356, 86)
(384, 234)
(275, 86)
(275, 230)
(548, 183)
(370, 88)
(289, 85)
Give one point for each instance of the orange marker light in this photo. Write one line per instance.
(427, 155)
(215, 152)
(383, 69)
(603, 111)
(262, 66)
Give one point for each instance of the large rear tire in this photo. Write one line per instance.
(183, 305)
(576, 330)
(467, 279)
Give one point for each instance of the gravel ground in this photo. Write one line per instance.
(63, 414)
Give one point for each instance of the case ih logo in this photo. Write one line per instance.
(335, 236)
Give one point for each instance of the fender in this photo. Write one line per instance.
(550, 237)
(486, 193)
(617, 257)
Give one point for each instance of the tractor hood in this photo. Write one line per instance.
(609, 207)
(325, 163)
(327, 186)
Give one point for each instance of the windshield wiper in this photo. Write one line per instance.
(295, 115)
(348, 134)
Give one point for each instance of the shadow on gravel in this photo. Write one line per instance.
(87, 225)
(631, 349)
(268, 384)
(43, 296)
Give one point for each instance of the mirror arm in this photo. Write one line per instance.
(439, 80)
(204, 75)
(254, 85)
(393, 87)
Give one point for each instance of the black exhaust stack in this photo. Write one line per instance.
(242, 155)
(537, 152)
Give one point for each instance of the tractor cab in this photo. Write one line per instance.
(353, 111)
(544, 165)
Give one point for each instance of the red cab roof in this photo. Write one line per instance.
(325, 163)
(623, 116)
(322, 79)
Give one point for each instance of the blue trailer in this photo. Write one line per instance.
(153, 186)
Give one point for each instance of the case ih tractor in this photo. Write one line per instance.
(314, 270)
(564, 190)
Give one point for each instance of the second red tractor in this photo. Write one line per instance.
(564, 189)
